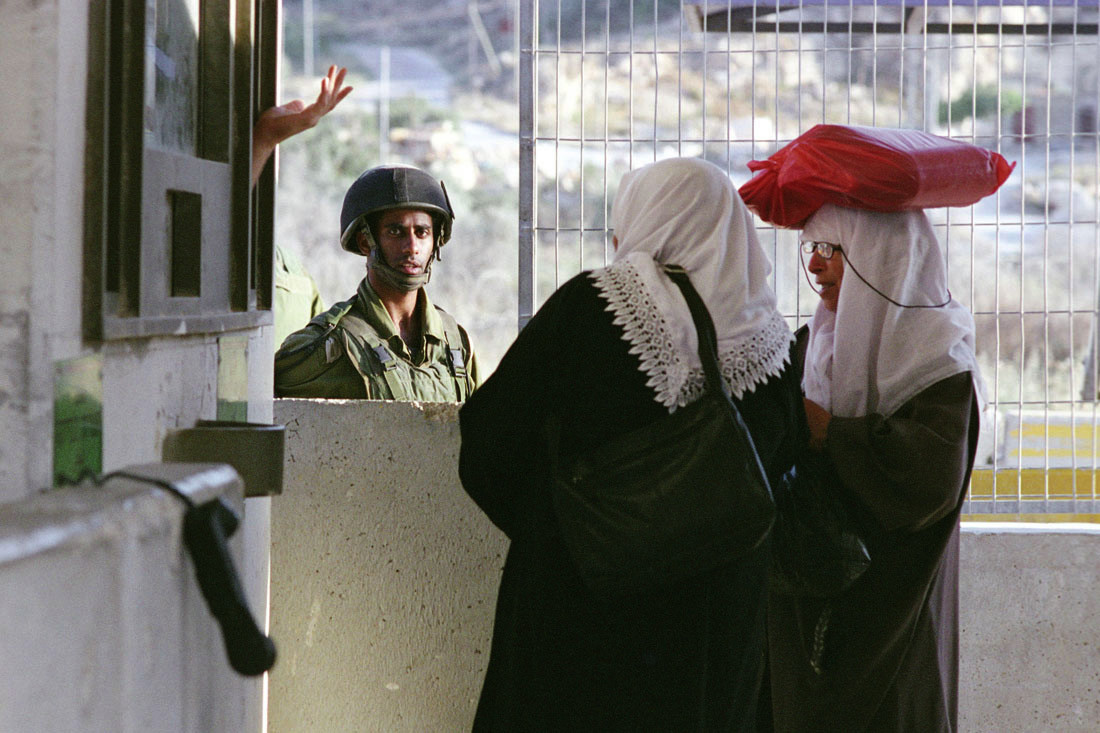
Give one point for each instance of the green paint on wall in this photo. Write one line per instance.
(77, 419)
(233, 378)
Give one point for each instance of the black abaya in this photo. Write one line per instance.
(890, 662)
(685, 658)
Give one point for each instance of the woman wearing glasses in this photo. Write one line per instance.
(891, 400)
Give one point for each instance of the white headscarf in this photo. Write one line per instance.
(870, 356)
(685, 211)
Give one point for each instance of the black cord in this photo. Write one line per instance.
(848, 262)
(166, 485)
(99, 480)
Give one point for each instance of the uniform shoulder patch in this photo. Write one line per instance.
(333, 349)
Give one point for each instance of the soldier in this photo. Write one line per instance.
(388, 342)
(297, 298)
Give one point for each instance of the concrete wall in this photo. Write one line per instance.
(105, 630)
(149, 387)
(384, 579)
(38, 148)
(1030, 627)
(383, 572)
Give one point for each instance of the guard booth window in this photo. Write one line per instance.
(176, 240)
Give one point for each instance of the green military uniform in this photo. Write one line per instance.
(297, 299)
(354, 351)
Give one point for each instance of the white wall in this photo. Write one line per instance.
(384, 578)
(33, 55)
(150, 385)
(105, 630)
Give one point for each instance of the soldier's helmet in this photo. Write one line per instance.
(393, 187)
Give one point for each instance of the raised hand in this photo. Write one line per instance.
(286, 120)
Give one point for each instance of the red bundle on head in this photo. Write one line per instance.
(870, 168)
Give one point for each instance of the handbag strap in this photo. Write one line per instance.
(708, 354)
(704, 327)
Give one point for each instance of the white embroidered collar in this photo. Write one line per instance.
(657, 324)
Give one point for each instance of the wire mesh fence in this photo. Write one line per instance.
(609, 85)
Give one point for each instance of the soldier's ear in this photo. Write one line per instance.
(362, 241)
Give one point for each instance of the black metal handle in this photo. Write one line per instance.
(206, 529)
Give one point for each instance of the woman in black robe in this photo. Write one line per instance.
(610, 351)
(891, 400)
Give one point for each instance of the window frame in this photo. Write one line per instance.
(129, 183)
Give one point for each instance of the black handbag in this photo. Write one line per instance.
(816, 551)
(671, 500)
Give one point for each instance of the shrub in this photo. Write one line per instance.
(979, 103)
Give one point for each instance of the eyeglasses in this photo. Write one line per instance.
(824, 249)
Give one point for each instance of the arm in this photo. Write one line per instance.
(278, 123)
(312, 364)
(500, 424)
(907, 469)
(502, 461)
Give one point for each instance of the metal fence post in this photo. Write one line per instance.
(528, 34)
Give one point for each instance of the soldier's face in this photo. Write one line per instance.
(406, 238)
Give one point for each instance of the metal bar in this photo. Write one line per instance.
(241, 295)
(266, 80)
(528, 24)
(1070, 283)
(874, 65)
(557, 148)
(216, 54)
(1020, 289)
(996, 268)
(125, 171)
(716, 23)
(607, 241)
(1046, 280)
(580, 156)
(630, 92)
(1095, 363)
(97, 153)
(851, 45)
(656, 80)
(729, 98)
(680, 86)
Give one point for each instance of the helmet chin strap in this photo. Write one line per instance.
(376, 263)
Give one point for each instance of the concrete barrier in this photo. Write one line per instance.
(105, 628)
(384, 578)
(383, 572)
(1029, 602)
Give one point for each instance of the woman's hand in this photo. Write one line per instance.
(817, 418)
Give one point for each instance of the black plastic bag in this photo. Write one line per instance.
(816, 550)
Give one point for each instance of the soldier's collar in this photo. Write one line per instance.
(431, 325)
